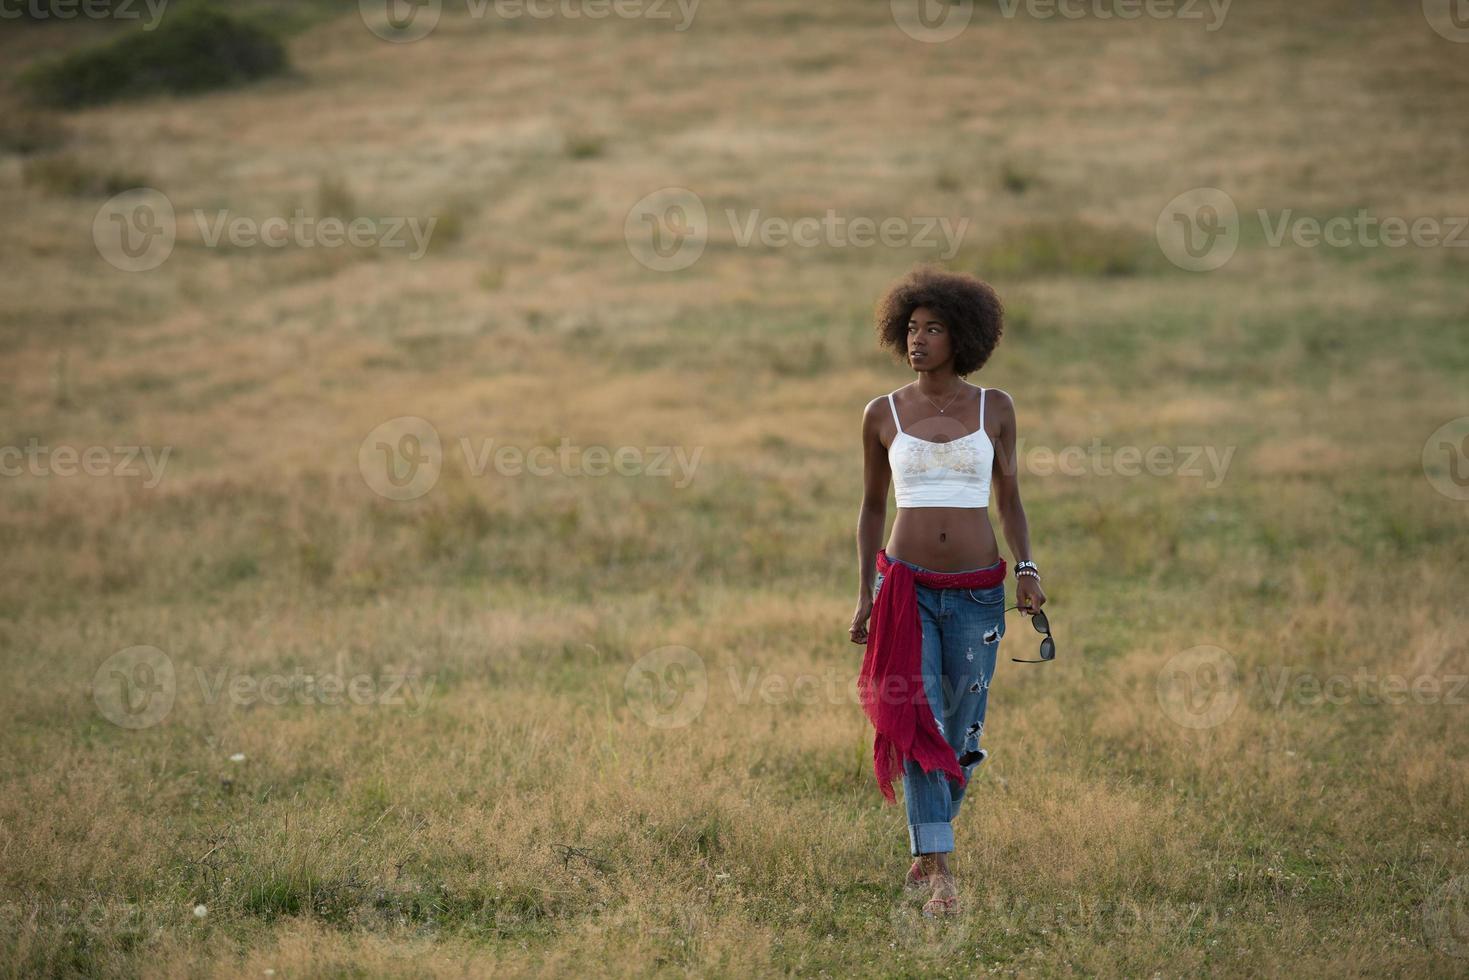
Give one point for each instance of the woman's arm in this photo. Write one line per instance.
(872, 517)
(1005, 492)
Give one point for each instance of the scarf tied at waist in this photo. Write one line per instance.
(903, 719)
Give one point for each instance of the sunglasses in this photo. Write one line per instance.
(1048, 645)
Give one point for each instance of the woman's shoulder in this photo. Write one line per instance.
(880, 402)
(998, 397)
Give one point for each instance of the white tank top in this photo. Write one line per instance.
(941, 474)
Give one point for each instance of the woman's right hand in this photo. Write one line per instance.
(858, 630)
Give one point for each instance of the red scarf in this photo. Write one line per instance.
(891, 682)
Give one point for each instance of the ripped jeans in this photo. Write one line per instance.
(962, 629)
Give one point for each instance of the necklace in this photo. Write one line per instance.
(947, 403)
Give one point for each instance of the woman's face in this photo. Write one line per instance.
(929, 342)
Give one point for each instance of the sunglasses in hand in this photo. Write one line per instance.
(1048, 645)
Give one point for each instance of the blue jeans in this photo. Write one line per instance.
(962, 629)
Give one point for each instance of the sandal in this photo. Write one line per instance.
(916, 880)
(942, 904)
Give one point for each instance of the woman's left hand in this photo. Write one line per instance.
(1029, 595)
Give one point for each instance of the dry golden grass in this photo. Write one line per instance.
(520, 815)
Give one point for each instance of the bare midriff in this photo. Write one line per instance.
(944, 539)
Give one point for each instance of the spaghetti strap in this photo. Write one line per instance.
(895, 412)
(981, 410)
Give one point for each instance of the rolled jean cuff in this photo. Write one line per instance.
(929, 838)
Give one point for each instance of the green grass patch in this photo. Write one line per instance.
(64, 175)
(195, 50)
(1066, 247)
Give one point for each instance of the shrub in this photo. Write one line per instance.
(1014, 180)
(67, 176)
(26, 131)
(194, 50)
(334, 198)
(1067, 247)
(585, 146)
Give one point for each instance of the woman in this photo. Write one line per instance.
(936, 593)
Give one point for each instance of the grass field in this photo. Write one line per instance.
(1250, 757)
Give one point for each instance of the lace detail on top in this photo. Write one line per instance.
(942, 474)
